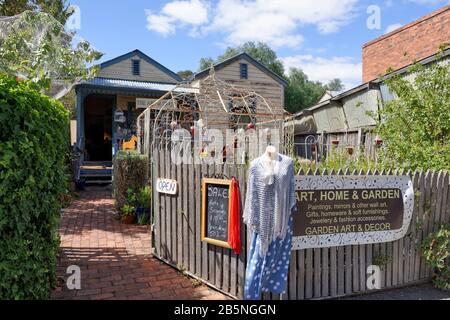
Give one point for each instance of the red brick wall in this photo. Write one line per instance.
(419, 40)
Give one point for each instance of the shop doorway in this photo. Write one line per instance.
(98, 127)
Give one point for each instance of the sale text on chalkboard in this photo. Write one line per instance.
(216, 200)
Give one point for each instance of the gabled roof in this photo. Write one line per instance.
(144, 57)
(251, 60)
(329, 94)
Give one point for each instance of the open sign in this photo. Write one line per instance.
(166, 186)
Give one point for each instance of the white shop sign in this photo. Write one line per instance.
(142, 103)
(166, 186)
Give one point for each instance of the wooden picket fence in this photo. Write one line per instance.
(314, 273)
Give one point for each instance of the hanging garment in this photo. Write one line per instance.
(234, 231)
(270, 201)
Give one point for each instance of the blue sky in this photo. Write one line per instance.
(323, 37)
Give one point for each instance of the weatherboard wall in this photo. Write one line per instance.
(123, 70)
(258, 81)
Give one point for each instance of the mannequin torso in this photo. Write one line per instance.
(269, 162)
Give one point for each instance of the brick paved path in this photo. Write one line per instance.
(115, 259)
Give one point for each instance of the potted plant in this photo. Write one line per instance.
(128, 214)
(143, 199)
(335, 142)
(128, 211)
(142, 220)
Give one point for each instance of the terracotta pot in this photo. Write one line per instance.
(350, 150)
(128, 219)
(335, 142)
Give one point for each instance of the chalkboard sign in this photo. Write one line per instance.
(216, 199)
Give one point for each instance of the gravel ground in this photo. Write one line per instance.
(418, 292)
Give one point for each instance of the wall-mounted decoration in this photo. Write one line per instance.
(351, 210)
(119, 117)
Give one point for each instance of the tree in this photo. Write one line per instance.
(415, 126)
(335, 85)
(59, 9)
(258, 51)
(185, 74)
(301, 93)
(206, 63)
(35, 46)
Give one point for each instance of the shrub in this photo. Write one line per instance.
(436, 250)
(144, 197)
(131, 171)
(416, 125)
(338, 158)
(33, 142)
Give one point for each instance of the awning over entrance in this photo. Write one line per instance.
(141, 88)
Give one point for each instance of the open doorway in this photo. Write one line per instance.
(98, 127)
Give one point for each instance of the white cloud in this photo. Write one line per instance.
(177, 13)
(192, 12)
(161, 24)
(326, 69)
(276, 22)
(392, 27)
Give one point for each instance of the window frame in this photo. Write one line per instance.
(133, 65)
(243, 71)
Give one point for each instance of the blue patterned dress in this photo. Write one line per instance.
(268, 274)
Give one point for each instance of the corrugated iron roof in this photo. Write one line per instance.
(132, 84)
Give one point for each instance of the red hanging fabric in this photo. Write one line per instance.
(234, 231)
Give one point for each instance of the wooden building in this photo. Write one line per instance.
(107, 111)
(345, 117)
(348, 117)
(108, 105)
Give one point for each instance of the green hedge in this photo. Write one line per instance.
(131, 170)
(33, 144)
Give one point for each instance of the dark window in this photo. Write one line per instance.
(241, 112)
(244, 71)
(136, 68)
